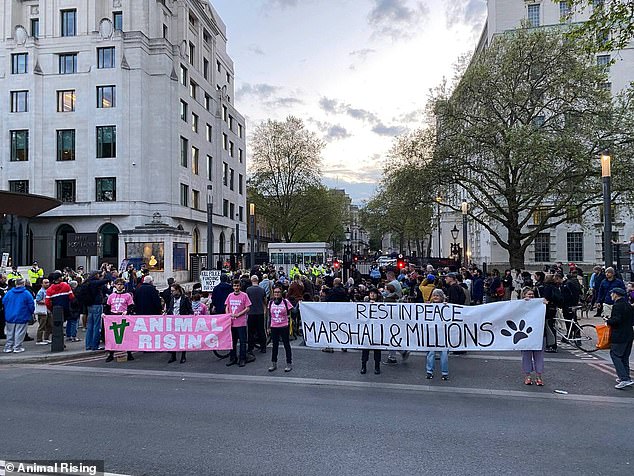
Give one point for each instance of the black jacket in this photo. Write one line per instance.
(337, 294)
(147, 301)
(621, 321)
(455, 294)
(186, 307)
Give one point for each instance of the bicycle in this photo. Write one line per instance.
(583, 336)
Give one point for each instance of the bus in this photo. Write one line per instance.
(285, 255)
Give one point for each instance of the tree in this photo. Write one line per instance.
(285, 182)
(521, 131)
(610, 26)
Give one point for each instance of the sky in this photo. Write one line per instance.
(357, 72)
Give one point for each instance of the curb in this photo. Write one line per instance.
(48, 358)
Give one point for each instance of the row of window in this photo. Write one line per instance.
(106, 98)
(228, 209)
(66, 190)
(534, 12)
(67, 62)
(106, 141)
(574, 247)
(69, 22)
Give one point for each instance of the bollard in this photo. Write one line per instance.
(57, 339)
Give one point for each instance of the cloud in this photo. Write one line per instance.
(260, 90)
(332, 106)
(329, 105)
(361, 114)
(287, 101)
(255, 49)
(362, 54)
(383, 130)
(336, 132)
(468, 12)
(281, 3)
(396, 19)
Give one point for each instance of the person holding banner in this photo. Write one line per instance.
(532, 360)
(373, 296)
(179, 305)
(119, 302)
(238, 304)
(279, 310)
(438, 296)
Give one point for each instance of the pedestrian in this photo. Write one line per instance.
(119, 303)
(621, 336)
(438, 297)
(255, 320)
(97, 282)
(178, 305)
(553, 298)
(532, 360)
(59, 294)
(3, 290)
(507, 282)
(73, 316)
(44, 316)
(220, 293)
(19, 308)
(427, 287)
(238, 304)
(610, 282)
(147, 300)
(166, 294)
(199, 308)
(373, 296)
(280, 311)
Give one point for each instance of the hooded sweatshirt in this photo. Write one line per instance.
(19, 305)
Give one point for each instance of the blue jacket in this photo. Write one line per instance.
(219, 296)
(19, 305)
(606, 287)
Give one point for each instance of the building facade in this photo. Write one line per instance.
(580, 239)
(124, 111)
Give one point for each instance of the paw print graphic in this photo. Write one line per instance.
(518, 332)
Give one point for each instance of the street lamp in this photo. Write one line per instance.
(439, 237)
(252, 225)
(465, 211)
(346, 254)
(210, 231)
(606, 174)
(455, 253)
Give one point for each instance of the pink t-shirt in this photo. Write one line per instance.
(279, 313)
(119, 302)
(235, 304)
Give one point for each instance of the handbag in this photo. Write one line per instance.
(604, 332)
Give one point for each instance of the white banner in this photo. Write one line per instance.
(508, 325)
(209, 279)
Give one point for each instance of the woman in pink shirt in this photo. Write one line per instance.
(237, 305)
(279, 310)
(119, 302)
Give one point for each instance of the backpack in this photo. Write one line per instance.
(83, 294)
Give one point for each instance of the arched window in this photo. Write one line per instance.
(110, 243)
(221, 244)
(196, 241)
(62, 260)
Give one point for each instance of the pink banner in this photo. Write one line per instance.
(168, 333)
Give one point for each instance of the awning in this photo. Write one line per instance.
(26, 204)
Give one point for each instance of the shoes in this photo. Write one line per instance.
(8, 351)
(68, 339)
(539, 382)
(75, 339)
(390, 361)
(377, 369)
(288, 367)
(18, 350)
(231, 362)
(183, 359)
(28, 338)
(327, 349)
(429, 376)
(41, 342)
(101, 347)
(527, 380)
(273, 366)
(551, 350)
(242, 363)
(250, 358)
(622, 384)
(344, 350)
(364, 369)
(110, 358)
(263, 350)
(130, 357)
(172, 359)
(405, 355)
(445, 377)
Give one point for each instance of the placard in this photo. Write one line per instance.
(210, 279)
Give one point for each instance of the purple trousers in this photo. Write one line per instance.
(533, 360)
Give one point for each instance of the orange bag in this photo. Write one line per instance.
(603, 332)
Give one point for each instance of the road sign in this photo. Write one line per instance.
(209, 279)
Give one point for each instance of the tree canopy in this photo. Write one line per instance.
(611, 24)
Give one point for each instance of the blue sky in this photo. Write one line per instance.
(358, 72)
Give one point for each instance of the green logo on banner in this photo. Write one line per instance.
(118, 330)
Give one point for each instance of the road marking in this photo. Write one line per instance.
(305, 381)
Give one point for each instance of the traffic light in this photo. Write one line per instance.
(400, 262)
(335, 264)
(355, 258)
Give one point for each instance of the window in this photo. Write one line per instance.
(106, 142)
(575, 246)
(35, 27)
(117, 19)
(240, 154)
(194, 123)
(206, 37)
(218, 67)
(604, 61)
(231, 149)
(165, 31)
(225, 208)
(542, 248)
(19, 63)
(533, 15)
(224, 113)
(208, 132)
(564, 12)
(228, 78)
(225, 173)
(19, 186)
(207, 102)
(240, 184)
(612, 212)
(607, 86)
(195, 199)
(69, 22)
(573, 214)
(68, 63)
(19, 146)
(206, 69)
(240, 130)
(540, 215)
(538, 121)
(106, 96)
(230, 122)
(106, 189)
(19, 101)
(240, 213)
(209, 167)
(192, 89)
(183, 77)
(65, 190)
(179, 256)
(225, 141)
(192, 20)
(195, 162)
(232, 174)
(183, 110)
(192, 53)
(184, 195)
(105, 57)
(66, 144)
(66, 101)
(232, 211)
(184, 151)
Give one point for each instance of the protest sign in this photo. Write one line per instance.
(508, 325)
(168, 333)
(209, 279)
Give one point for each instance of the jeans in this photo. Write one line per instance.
(533, 360)
(93, 327)
(71, 327)
(620, 354)
(365, 356)
(45, 326)
(276, 334)
(239, 333)
(255, 326)
(15, 335)
(444, 362)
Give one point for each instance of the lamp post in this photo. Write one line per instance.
(465, 211)
(606, 174)
(346, 255)
(252, 225)
(210, 231)
(438, 216)
(454, 246)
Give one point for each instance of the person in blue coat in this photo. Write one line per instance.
(19, 307)
(610, 282)
(220, 293)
